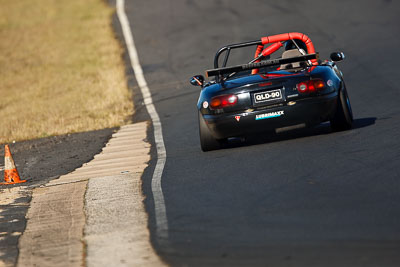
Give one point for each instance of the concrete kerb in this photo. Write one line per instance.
(65, 208)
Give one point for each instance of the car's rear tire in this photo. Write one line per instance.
(207, 141)
(343, 118)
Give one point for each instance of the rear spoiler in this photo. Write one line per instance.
(266, 63)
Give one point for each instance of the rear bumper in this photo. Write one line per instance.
(310, 111)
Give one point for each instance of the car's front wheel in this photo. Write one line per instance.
(207, 141)
(343, 118)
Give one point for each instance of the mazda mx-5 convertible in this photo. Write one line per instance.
(275, 92)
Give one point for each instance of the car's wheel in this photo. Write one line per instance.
(343, 118)
(207, 141)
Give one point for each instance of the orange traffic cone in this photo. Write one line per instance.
(11, 175)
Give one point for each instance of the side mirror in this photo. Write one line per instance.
(337, 56)
(197, 80)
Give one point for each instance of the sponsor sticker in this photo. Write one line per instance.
(237, 118)
(269, 115)
(205, 104)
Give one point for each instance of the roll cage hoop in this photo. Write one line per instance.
(275, 41)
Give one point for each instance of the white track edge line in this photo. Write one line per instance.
(158, 196)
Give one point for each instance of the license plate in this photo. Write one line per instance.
(267, 96)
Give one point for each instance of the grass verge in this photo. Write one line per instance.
(61, 69)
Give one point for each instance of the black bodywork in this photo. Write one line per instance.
(254, 113)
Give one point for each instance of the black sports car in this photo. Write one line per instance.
(292, 91)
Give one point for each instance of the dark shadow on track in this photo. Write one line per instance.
(363, 122)
(322, 129)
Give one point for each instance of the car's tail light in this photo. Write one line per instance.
(223, 101)
(310, 86)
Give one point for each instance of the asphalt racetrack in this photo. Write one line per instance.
(304, 198)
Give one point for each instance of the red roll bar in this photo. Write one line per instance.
(277, 43)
